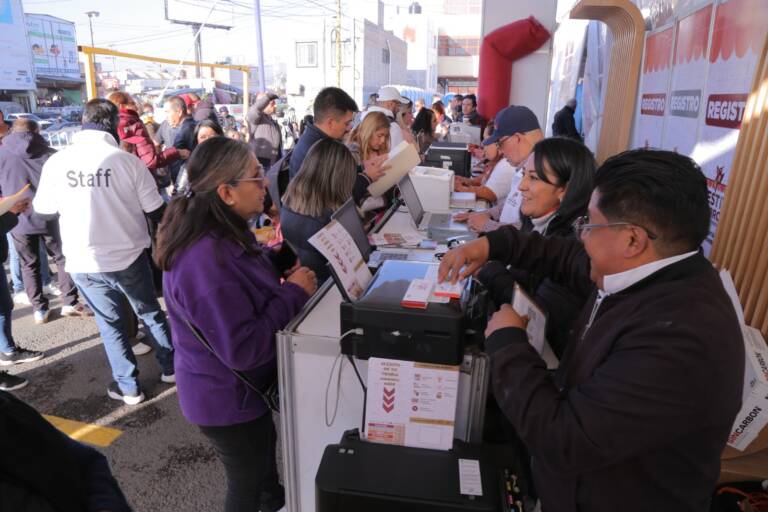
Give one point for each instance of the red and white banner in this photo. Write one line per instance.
(737, 36)
(653, 104)
(689, 75)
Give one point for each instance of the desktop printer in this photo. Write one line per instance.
(437, 334)
(356, 475)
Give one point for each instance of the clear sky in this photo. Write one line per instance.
(139, 26)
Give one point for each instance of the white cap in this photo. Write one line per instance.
(391, 94)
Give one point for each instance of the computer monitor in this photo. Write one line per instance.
(464, 133)
(449, 155)
(349, 218)
(411, 198)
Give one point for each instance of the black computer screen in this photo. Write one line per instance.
(349, 217)
(411, 198)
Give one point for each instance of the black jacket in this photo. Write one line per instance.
(7, 222)
(266, 138)
(22, 157)
(297, 229)
(564, 124)
(205, 110)
(561, 304)
(639, 411)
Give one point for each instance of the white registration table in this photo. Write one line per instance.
(318, 406)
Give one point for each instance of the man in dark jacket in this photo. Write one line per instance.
(22, 157)
(204, 109)
(564, 124)
(333, 113)
(184, 126)
(639, 411)
(266, 139)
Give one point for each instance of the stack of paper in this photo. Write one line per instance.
(402, 159)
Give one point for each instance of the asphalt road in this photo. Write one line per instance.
(161, 462)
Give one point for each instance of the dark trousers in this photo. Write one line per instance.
(28, 247)
(247, 451)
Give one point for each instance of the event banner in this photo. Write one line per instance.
(737, 37)
(689, 73)
(649, 120)
(15, 62)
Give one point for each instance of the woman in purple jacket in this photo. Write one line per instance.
(231, 289)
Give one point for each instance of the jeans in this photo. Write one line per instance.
(28, 247)
(106, 293)
(7, 344)
(13, 262)
(247, 451)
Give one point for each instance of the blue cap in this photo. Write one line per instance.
(512, 120)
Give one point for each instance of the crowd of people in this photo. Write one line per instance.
(639, 409)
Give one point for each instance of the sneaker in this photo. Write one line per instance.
(114, 392)
(10, 382)
(19, 356)
(168, 378)
(76, 310)
(52, 290)
(139, 349)
(21, 299)
(41, 316)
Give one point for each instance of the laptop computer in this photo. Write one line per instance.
(439, 226)
(349, 218)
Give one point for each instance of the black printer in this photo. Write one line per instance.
(356, 475)
(437, 334)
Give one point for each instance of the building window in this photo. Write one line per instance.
(458, 46)
(306, 54)
(385, 56)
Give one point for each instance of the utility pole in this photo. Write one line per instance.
(197, 34)
(262, 85)
(91, 15)
(338, 43)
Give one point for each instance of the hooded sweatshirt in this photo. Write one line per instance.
(22, 156)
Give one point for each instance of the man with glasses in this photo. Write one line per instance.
(516, 130)
(638, 413)
(103, 196)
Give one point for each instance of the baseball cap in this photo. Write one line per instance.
(511, 120)
(391, 94)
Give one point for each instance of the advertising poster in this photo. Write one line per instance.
(689, 75)
(649, 124)
(53, 47)
(15, 63)
(737, 37)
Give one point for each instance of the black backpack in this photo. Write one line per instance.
(278, 175)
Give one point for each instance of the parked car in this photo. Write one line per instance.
(43, 123)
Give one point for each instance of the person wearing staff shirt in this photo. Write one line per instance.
(640, 409)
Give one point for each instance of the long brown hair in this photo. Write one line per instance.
(324, 182)
(200, 211)
(363, 133)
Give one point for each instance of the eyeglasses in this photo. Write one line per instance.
(582, 225)
(259, 180)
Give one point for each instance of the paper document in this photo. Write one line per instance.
(411, 404)
(537, 320)
(463, 200)
(8, 202)
(402, 159)
(336, 244)
(379, 239)
(470, 482)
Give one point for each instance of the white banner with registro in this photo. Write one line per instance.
(737, 36)
(649, 119)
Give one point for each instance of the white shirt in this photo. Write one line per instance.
(614, 283)
(510, 212)
(101, 194)
(500, 180)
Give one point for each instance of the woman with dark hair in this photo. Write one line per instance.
(325, 181)
(443, 120)
(205, 129)
(556, 187)
(221, 282)
(423, 129)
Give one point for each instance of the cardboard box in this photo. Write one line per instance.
(753, 416)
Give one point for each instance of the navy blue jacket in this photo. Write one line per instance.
(22, 157)
(297, 229)
(311, 135)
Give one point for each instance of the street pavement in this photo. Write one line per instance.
(161, 462)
